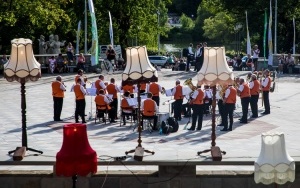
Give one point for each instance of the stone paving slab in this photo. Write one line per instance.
(242, 144)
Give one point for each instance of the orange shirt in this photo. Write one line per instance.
(149, 107)
(199, 98)
(56, 91)
(255, 88)
(101, 104)
(124, 103)
(267, 88)
(111, 89)
(154, 89)
(143, 86)
(76, 78)
(231, 99)
(128, 88)
(246, 91)
(97, 85)
(78, 93)
(178, 93)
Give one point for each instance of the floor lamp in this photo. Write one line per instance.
(138, 70)
(22, 67)
(214, 71)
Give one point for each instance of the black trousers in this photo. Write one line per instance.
(245, 105)
(228, 110)
(155, 118)
(57, 106)
(255, 63)
(114, 104)
(198, 64)
(156, 99)
(177, 109)
(80, 110)
(266, 101)
(197, 115)
(221, 107)
(253, 105)
(186, 109)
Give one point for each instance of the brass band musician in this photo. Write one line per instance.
(229, 101)
(58, 89)
(178, 96)
(197, 103)
(244, 93)
(266, 84)
(254, 86)
(102, 104)
(155, 89)
(99, 84)
(80, 76)
(80, 100)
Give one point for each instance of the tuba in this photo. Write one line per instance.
(190, 84)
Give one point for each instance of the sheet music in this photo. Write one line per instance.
(132, 102)
(91, 91)
(169, 92)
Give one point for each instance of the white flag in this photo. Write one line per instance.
(248, 37)
(111, 32)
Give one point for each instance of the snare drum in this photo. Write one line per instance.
(162, 116)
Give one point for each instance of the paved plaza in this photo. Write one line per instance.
(241, 144)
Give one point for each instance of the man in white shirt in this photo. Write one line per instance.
(255, 55)
(190, 56)
(198, 58)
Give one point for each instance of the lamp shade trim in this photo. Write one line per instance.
(274, 164)
(215, 69)
(22, 65)
(138, 67)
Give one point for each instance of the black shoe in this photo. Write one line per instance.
(265, 113)
(254, 116)
(198, 129)
(76, 121)
(154, 129)
(230, 129)
(220, 125)
(243, 122)
(224, 129)
(84, 122)
(112, 121)
(190, 129)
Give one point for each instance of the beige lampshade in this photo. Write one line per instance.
(22, 65)
(274, 164)
(138, 67)
(215, 69)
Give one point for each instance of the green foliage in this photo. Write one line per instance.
(187, 23)
(219, 27)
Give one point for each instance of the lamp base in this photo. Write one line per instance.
(19, 152)
(139, 153)
(216, 153)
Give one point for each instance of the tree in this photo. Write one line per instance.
(30, 18)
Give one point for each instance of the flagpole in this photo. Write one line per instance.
(265, 36)
(275, 33)
(85, 27)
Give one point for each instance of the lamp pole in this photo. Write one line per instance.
(158, 36)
